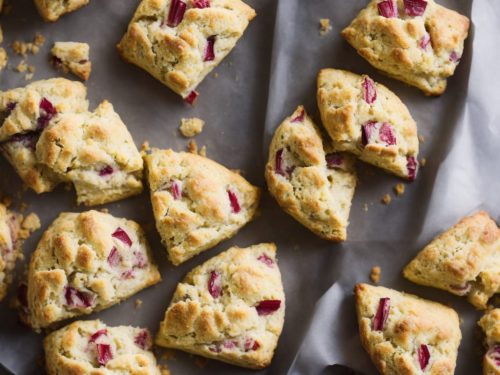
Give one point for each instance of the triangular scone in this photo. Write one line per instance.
(72, 57)
(86, 262)
(490, 323)
(180, 41)
(95, 152)
(14, 229)
(26, 113)
(231, 308)
(91, 347)
(416, 41)
(368, 120)
(404, 334)
(197, 202)
(310, 182)
(464, 260)
(51, 10)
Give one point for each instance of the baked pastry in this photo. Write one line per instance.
(368, 120)
(231, 308)
(86, 262)
(49, 137)
(405, 334)
(197, 202)
(464, 260)
(309, 180)
(490, 323)
(179, 42)
(91, 347)
(415, 41)
(72, 57)
(51, 10)
(14, 229)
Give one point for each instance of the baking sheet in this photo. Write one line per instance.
(270, 72)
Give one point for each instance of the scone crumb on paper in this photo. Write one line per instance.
(375, 274)
(168, 354)
(145, 147)
(22, 67)
(3, 58)
(138, 303)
(386, 199)
(399, 189)
(203, 151)
(324, 26)
(421, 138)
(365, 207)
(423, 162)
(201, 362)
(164, 370)
(22, 48)
(191, 126)
(192, 147)
(104, 210)
(31, 222)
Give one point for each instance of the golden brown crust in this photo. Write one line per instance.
(72, 57)
(51, 10)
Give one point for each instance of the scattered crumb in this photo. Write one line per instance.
(31, 222)
(201, 362)
(164, 370)
(138, 303)
(324, 26)
(168, 354)
(216, 75)
(22, 67)
(365, 207)
(104, 210)
(23, 207)
(3, 58)
(28, 76)
(375, 274)
(22, 48)
(191, 126)
(145, 146)
(386, 199)
(423, 162)
(399, 189)
(39, 40)
(203, 151)
(421, 138)
(192, 147)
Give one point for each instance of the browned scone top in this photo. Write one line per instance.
(51, 10)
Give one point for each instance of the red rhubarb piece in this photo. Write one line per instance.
(299, 117)
(369, 90)
(106, 171)
(266, 260)
(423, 356)
(334, 160)
(121, 235)
(104, 354)
(425, 41)
(233, 199)
(415, 8)
(47, 112)
(143, 339)
(176, 13)
(388, 8)
(412, 166)
(251, 344)
(215, 284)
(267, 307)
(95, 336)
(191, 98)
(382, 314)
(78, 298)
(200, 4)
(176, 190)
(114, 257)
(209, 49)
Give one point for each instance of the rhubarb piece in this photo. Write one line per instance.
(464, 260)
(398, 339)
(82, 258)
(311, 183)
(177, 41)
(382, 133)
(51, 10)
(395, 45)
(47, 113)
(412, 167)
(216, 202)
(106, 171)
(455, 57)
(99, 349)
(490, 324)
(241, 327)
(266, 260)
(72, 57)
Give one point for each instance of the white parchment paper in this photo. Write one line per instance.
(271, 71)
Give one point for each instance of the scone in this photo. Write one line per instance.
(14, 229)
(404, 334)
(72, 57)
(368, 120)
(310, 182)
(91, 347)
(231, 308)
(197, 202)
(179, 42)
(51, 10)
(464, 260)
(86, 262)
(490, 323)
(415, 41)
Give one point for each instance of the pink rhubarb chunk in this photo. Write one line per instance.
(462, 289)
(104, 354)
(191, 98)
(106, 171)
(279, 163)
(78, 298)
(95, 336)
(176, 13)
(47, 112)
(200, 4)
(412, 166)
(299, 117)
(455, 57)
(494, 354)
(176, 190)
(142, 339)
(382, 314)
(423, 356)
(209, 49)
(251, 344)
(388, 8)
(266, 260)
(215, 284)
(425, 41)
(114, 257)
(334, 161)
(233, 200)
(377, 132)
(121, 235)
(268, 306)
(415, 8)
(369, 91)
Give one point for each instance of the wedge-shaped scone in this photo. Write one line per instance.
(404, 334)
(180, 41)
(51, 10)
(490, 323)
(310, 182)
(464, 260)
(231, 308)
(72, 57)
(415, 41)
(197, 202)
(91, 347)
(370, 121)
(14, 229)
(84, 263)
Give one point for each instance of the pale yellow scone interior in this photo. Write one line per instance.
(405, 334)
(49, 137)
(86, 262)
(419, 48)
(180, 49)
(92, 347)
(464, 260)
(231, 308)
(72, 57)
(309, 180)
(51, 10)
(197, 202)
(368, 120)
(490, 324)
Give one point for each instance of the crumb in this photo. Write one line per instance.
(365, 207)
(22, 48)
(200, 361)
(324, 26)
(375, 274)
(167, 355)
(22, 67)
(216, 75)
(192, 147)
(104, 210)
(39, 40)
(31, 222)
(19, 48)
(3, 58)
(237, 171)
(31, 68)
(399, 189)
(23, 207)
(164, 370)
(386, 199)
(138, 303)
(145, 146)
(421, 138)
(191, 126)
(28, 76)
(203, 151)
(423, 162)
